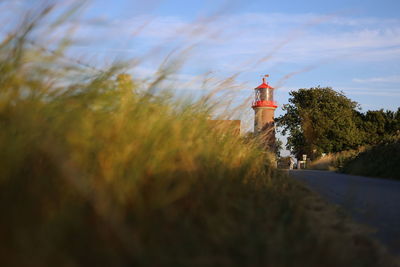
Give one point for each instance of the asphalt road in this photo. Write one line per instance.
(371, 201)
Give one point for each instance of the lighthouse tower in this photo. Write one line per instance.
(264, 107)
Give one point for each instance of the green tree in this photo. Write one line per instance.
(378, 126)
(319, 120)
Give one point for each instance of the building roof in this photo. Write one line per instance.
(264, 85)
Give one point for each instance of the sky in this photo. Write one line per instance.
(350, 45)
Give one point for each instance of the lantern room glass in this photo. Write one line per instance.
(264, 94)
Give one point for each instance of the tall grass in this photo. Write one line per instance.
(335, 161)
(95, 172)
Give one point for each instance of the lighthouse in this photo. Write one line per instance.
(264, 107)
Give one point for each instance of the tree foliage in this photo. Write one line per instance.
(319, 120)
(323, 120)
(377, 126)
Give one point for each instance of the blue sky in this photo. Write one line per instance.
(190, 9)
(350, 45)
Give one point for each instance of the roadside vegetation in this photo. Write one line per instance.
(334, 161)
(378, 161)
(322, 121)
(96, 171)
(375, 161)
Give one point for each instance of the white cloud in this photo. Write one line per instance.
(385, 79)
(235, 42)
(374, 93)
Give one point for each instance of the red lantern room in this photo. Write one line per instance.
(264, 95)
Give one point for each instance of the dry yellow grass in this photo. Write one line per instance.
(95, 172)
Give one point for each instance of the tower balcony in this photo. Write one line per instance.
(264, 103)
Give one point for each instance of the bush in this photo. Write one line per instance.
(378, 161)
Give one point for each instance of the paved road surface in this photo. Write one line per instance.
(371, 201)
